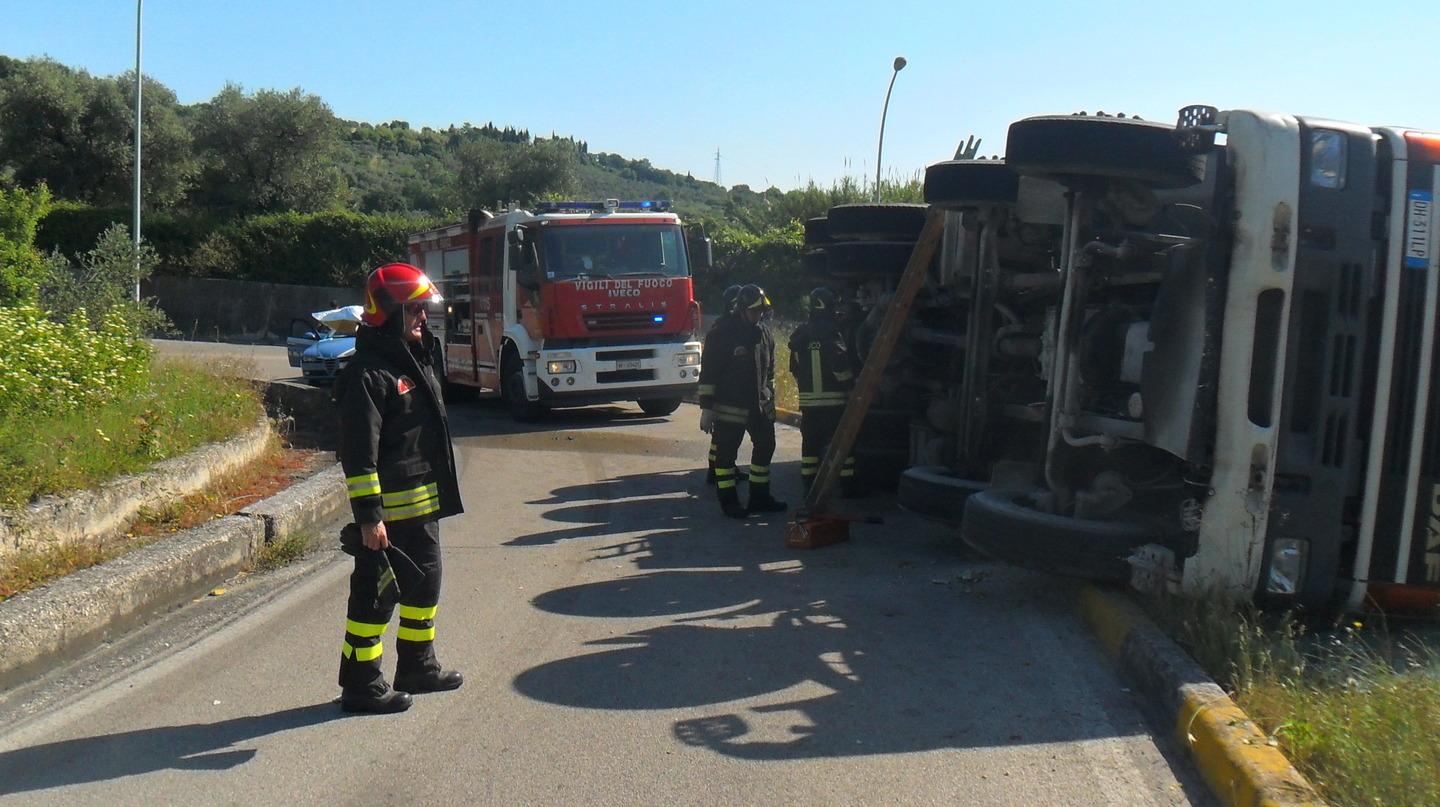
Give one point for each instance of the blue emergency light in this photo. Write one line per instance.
(657, 206)
(658, 318)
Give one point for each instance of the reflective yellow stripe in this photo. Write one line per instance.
(809, 470)
(724, 484)
(705, 389)
(363, 492)
(352, 481)
(412, 510)
(809, 460)
(729, 418)
(364, 630)
(730, 410)
(847, 472)
(844, 375)
(409, 496)
(362, 653)
(724, 472)
(386, 578)
(817, 382)
(417, 612)
(759, 469)
(362, 485)
(416, 634)
(822, 397)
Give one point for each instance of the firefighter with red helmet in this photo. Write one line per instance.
(737, 395)
(824, 372)
(400, 475)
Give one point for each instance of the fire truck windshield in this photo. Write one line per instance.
(612, 250)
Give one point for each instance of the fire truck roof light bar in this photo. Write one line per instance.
(648, 205)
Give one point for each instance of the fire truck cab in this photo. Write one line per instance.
(572, 304)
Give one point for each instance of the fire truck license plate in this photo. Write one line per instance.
(630, 364)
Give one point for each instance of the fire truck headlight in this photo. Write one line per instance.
(687, 359)
(559, 367)
(1327, 159)
(1287, 565)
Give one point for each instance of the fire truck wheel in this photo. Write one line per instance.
(659, 407)
(894, 222)
(971, 183)
(512, 390)
(817, 232)
(855, 259)
(1071, 147)
(1005, 525)
(935, 492)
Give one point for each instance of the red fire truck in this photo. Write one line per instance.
(574, 303)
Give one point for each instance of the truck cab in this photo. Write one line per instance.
(571, 304)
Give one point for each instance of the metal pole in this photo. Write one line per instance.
(139, 83)
(880, 150)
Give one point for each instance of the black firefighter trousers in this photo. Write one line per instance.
(729, 430)
(373, 596)
(817, 427)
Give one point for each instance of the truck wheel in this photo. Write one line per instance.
(1005, 525)
(896, 222)
(659, 407)
(868, 258)
(935, 492)
(815, 264)
(971, 183)
(1077, 146)
(817, 232)
(512, 390)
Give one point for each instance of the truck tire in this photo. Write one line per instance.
(868, 258)
(512, 391)
(1077, 146)
(659, 407)
(817, 232)
(895, 222)
(935, 492)
(1004, 525)
(971, 183)
(815, 264)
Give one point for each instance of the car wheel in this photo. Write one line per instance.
(512, 390)
(935, 492)
(659, 407)
(971, 183)
(895, 222)
(1005, 525)
(1077, 146)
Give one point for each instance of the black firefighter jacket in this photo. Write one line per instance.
(738, 374)
(394, 435)
(821, 363)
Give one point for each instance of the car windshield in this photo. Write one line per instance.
(612, 250)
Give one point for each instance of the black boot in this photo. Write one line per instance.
(366, 702)
(730, 502)
(761, 501)
(429, 681)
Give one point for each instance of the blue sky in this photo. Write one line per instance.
(787, 91)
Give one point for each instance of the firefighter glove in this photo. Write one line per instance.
(707, 420)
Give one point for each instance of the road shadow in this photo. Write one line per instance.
(192, 747)
(894, 642)
(487, 417)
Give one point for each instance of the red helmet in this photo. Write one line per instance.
(392, 286)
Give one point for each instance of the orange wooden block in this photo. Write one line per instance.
(815, 532)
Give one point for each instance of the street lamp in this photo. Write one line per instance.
(139, 82)
(880, 150)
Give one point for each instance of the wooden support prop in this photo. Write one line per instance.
(869, 381)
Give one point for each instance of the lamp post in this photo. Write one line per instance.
(139, 82)
(880, 150)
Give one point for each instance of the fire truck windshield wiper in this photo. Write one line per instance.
(590, 276)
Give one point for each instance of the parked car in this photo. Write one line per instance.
(321, 349)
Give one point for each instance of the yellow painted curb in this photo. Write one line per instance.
(1234, 756)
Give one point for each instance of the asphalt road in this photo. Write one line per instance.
(263, 361)
(622, 644)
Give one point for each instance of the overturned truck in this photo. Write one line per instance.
(1197, 356)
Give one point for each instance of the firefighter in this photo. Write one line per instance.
(737, 395)
(824, 373)
(400, 475)
(727, 301)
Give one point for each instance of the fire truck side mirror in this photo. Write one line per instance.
(702, 252)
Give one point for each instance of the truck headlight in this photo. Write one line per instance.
(1287, 565)
(559, 367)
(687, 359)
(1327, 159)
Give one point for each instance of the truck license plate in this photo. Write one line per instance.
(629, 364)
(1417, 230)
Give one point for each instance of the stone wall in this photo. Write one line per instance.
(213, 310)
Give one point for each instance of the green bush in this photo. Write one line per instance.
(72, 229)
(22, 267)
(103, 282)
(53, 367)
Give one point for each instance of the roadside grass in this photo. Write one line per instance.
(271, 472)
(283, 552)
(1357, 712)
(181, 406)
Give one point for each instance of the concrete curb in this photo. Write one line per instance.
(1232, 754)
(41, 629)
(103, 512)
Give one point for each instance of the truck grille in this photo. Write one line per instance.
(621, 321)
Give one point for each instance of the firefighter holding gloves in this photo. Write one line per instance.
(400, 476)
(737, 395)
(824, 374)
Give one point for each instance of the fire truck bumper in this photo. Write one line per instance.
(560, 397)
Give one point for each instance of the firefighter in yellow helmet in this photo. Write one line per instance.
(824, 372)
(400, 474)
